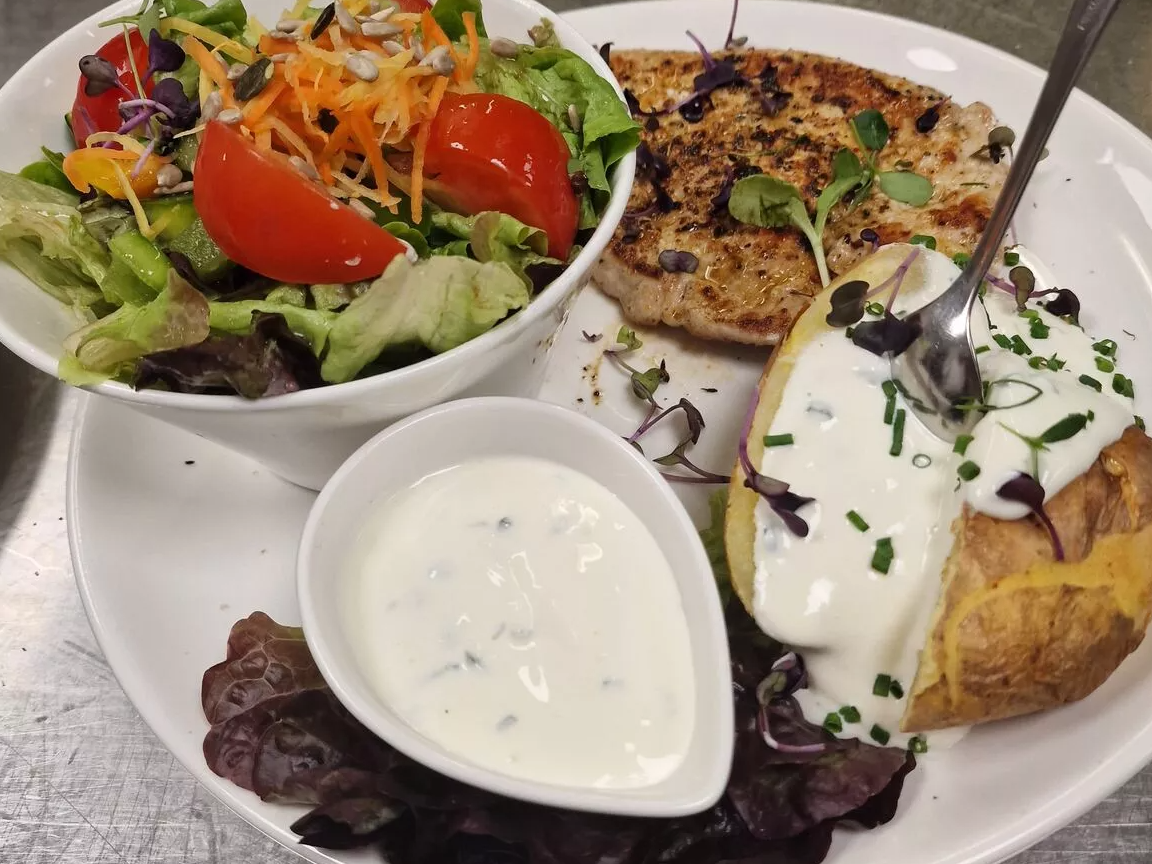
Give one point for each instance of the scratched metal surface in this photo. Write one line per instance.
(83, 780)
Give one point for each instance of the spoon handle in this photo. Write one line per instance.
(1085, 24)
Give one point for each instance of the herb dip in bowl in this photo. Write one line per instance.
(525, 607)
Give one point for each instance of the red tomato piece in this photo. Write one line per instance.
(490, 152)
(267, 217)
(102, 113)
(416, 6)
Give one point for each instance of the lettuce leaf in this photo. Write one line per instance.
(49, 171)
(493, 236)
(313, 325)
(449, 14)
(551, 79)
(713, 539)
(108, 348)
(438, 303)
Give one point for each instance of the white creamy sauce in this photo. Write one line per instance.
(518, 614)
(821, 594)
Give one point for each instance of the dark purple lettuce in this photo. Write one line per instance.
(278, 731)
(269, 361)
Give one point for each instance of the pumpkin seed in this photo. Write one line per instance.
(211, 107)
(346, 21)
(178, 189)
(502, 47)
(361, 66)
(230, 116)
(323, 20)
(303, 167)
(254, 80)
(169, 176)
(236, 71)
(380, 29)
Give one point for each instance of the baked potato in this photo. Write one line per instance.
(1013, 630)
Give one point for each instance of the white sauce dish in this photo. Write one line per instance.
(508, 593)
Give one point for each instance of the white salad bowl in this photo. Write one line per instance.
(302, 436)
(448, 435)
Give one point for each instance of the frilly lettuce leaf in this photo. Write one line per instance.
(176, 318)
(449, 14)
(438, 303)
(492, 236)
(235, 316)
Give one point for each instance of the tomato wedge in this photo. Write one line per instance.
(264, 215)
(102, 113)
(490, 152)
(416, 6)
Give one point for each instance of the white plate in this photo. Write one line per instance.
(168, 554)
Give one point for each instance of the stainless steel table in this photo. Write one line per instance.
(82, 780)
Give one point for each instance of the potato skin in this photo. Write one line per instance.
(1015, 631)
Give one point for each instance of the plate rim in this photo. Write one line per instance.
(1057, 813)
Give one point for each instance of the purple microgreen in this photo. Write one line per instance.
(706, 56)
(605, 51)
(164, 55)
(591, 337)
(762, 725)
(650, 164)
(783, 502)
(139, 166)
(775, 102)
(673, 261)
(869, 235)
(729, 40)
(626, 337)
(645, 384)
(1024, 283)
(679, 457)
(847, 304)
(1065, 305)
(896, 279)
(786, 675)
(889, 335)
(135, 122)
(100, 76)
(1025, 489)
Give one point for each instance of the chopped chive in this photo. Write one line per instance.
(896, 691)
(1089, 381)
(833, 723)
(876, 309)
(1055, 363)
(1139, 421)
(882, 556)
(1107, 347)
(923, 240)
(882, 685)
(880, 734)
(897, 433)
(1038, 329)
(1123, 385)
(918, 744)
(1030, 314)
(982, 349)
(968, 471)
(1038, 362)
(1011, 259)
(1105, 365)
(850, 713)
(857, 521)
(889, 410)
(1019, 346)
(783, 440)
(889, 388)
(1002, 340)
(961, 445)
(961, 259)
(921, 460)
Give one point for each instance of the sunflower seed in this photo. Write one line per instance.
(362, 208)
(380, 29)
(382, 14)
(289, 25)
(502, 47)
(391, 48)
(346, 21)
(303, 167)
(236, 71)
(361, 65)
(280, 58)
(169, 175)
(418, 49)
(211, 107)
(178, 189)
(440, 60)
(574, 119)
(255, 78)
(230, 116)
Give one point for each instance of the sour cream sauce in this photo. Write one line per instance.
(518, 614)
(821, 594)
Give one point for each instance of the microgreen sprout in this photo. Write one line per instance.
(1026, 489)
(776, 493)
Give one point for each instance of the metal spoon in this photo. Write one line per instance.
(938, 372)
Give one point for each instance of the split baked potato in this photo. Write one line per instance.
(1013, 630)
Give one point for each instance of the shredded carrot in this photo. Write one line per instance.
(433, 33)
(473, 58)
(210, 64)
(270, 46)
(259, 106)
(362, 131)
(418, 171)
(337, 140)
(228, 46)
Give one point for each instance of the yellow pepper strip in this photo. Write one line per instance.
(99, 167)
(227, 46)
